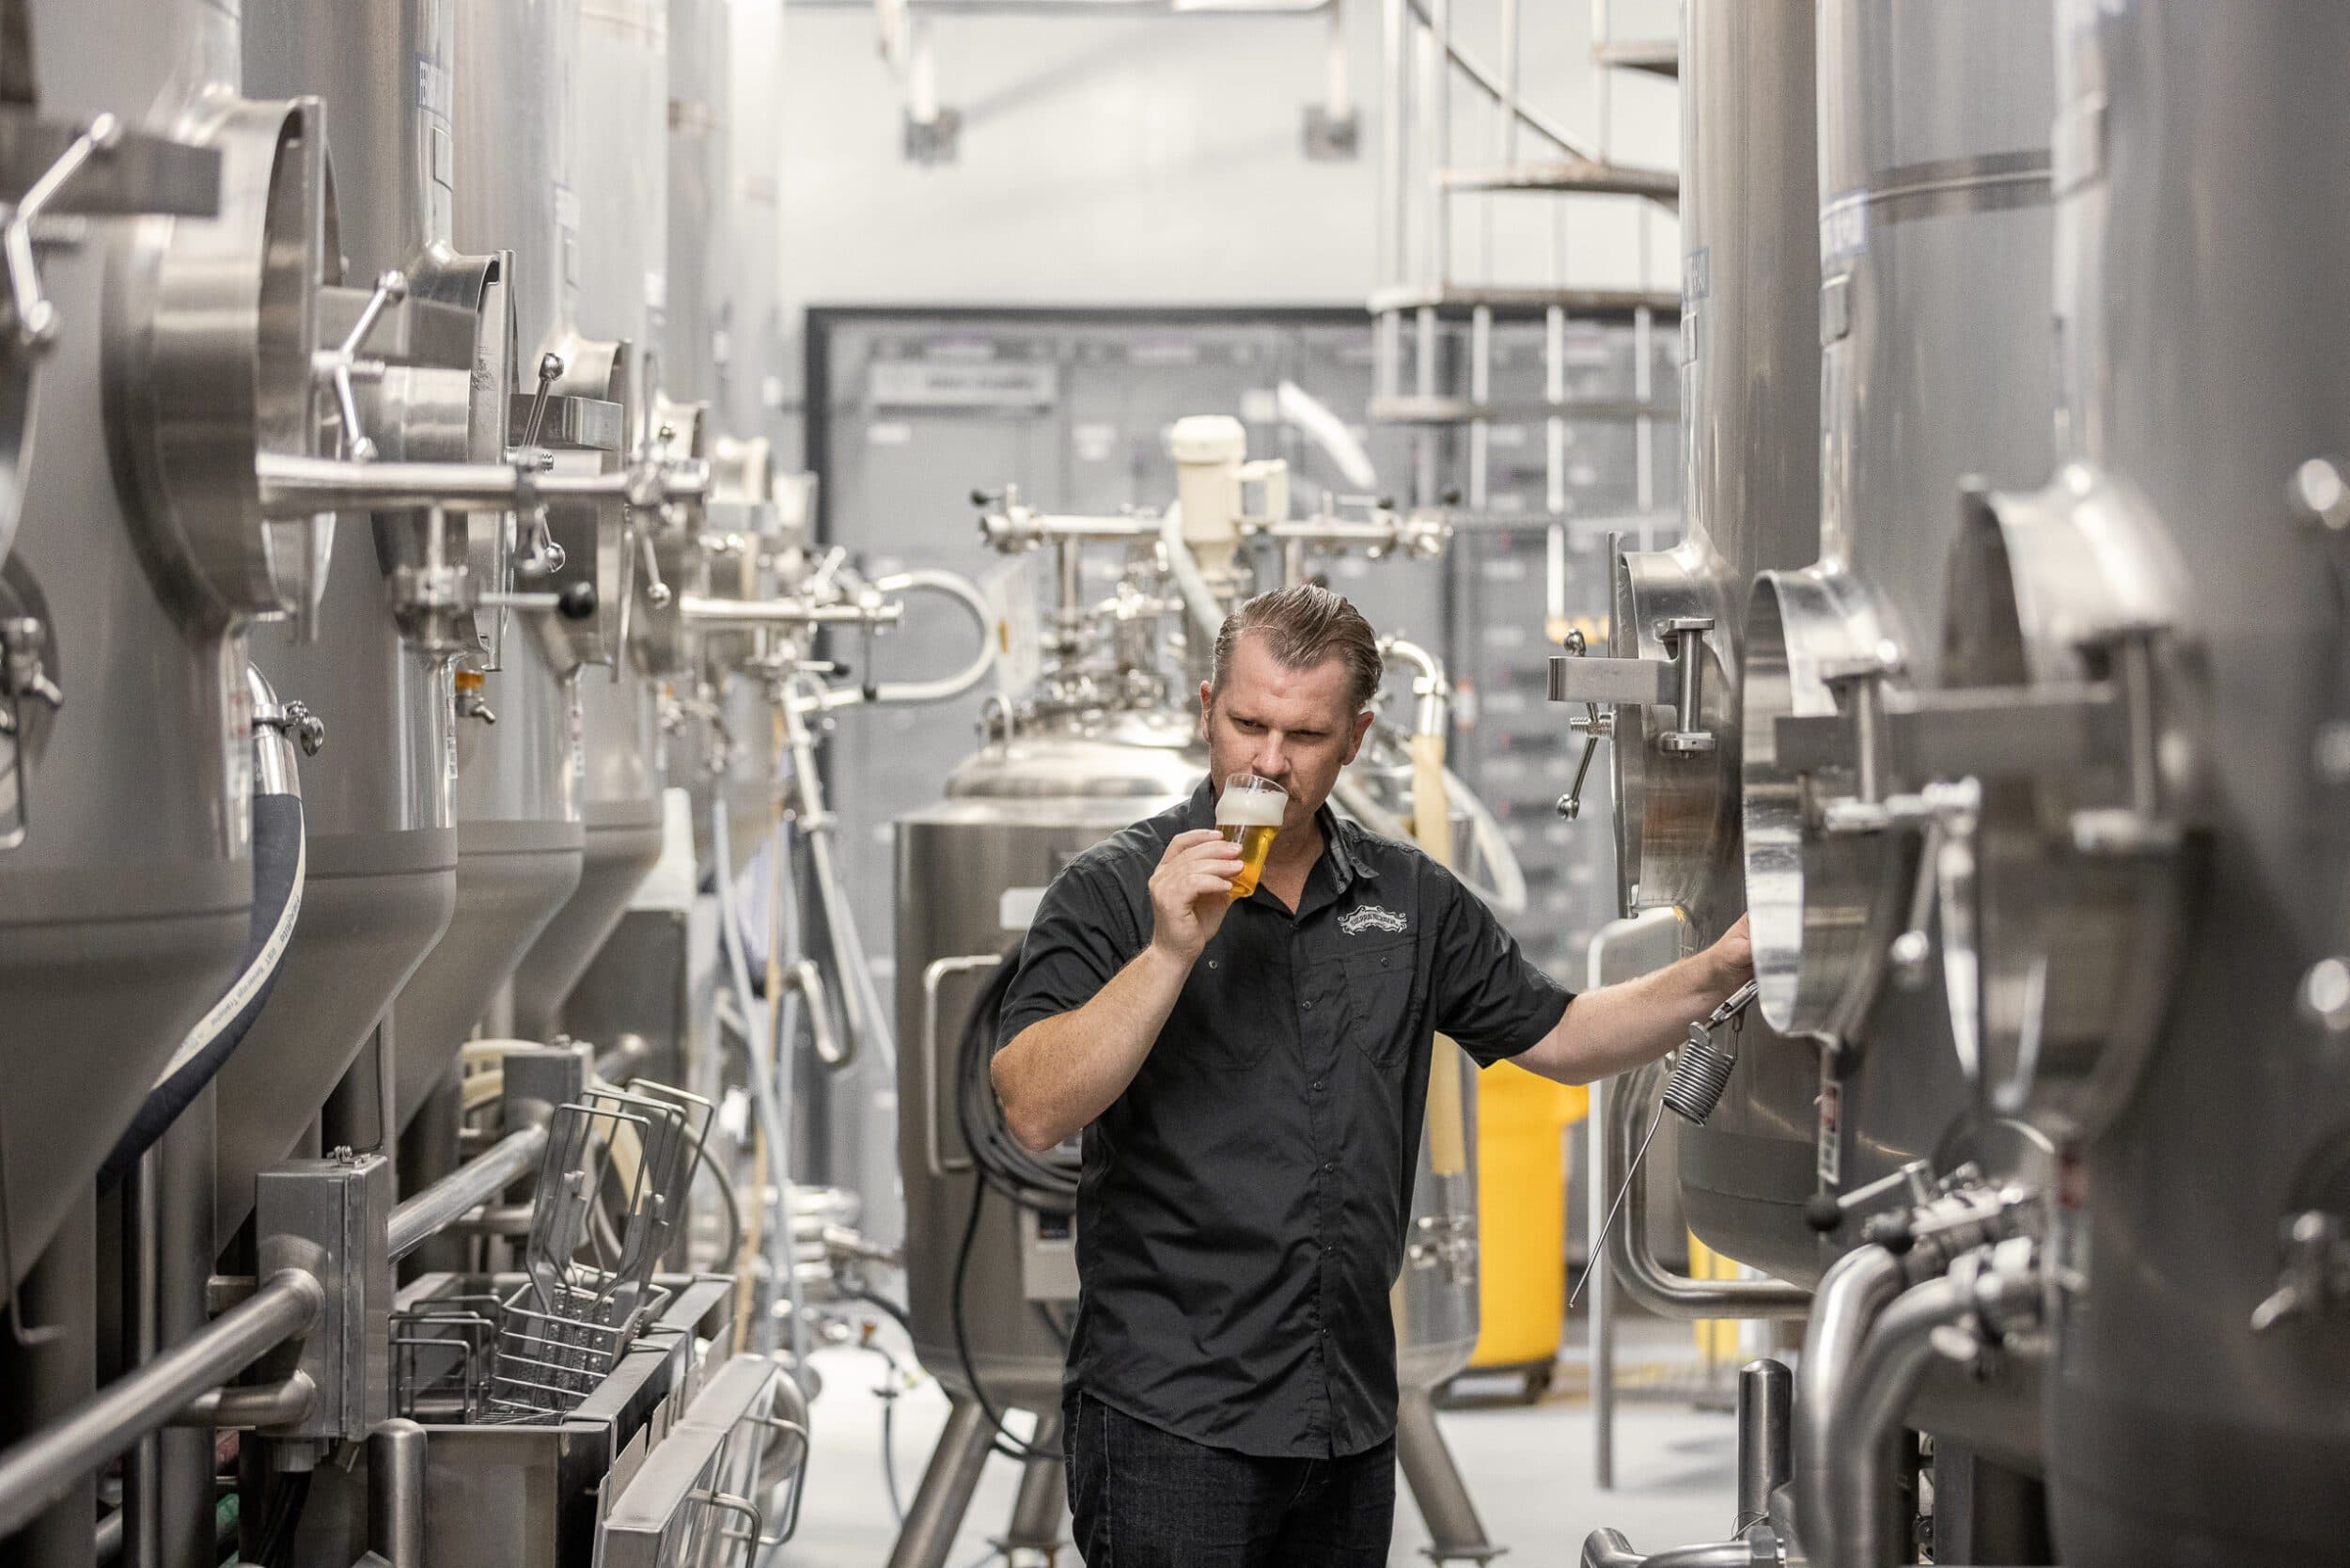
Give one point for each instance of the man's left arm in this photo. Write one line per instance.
(1499, 1007)
(1618, 1027)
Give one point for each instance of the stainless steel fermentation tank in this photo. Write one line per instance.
(969, 871)
(1934, 235)
(382, 854)
(517, 789)
(1750, 413)
(2181, 919)
(620, 110)
(750, 363)
(727, 749)
(182, 351)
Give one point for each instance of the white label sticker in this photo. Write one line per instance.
(889, 433)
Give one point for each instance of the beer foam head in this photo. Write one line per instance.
(1250, 809)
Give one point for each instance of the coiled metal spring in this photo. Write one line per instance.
(1700, 1074)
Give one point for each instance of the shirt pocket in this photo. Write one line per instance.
(1223, 1018)
(1380, 1001)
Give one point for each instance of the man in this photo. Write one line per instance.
(1251, 1076)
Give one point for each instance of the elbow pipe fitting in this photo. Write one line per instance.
(947, 688)
(1869, 1409)
(1431, 712)
(1851, 1293)
(1607, 1548)
(1644, 1279)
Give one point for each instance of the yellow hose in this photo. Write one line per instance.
(1432, 824)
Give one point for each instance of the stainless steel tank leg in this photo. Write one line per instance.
(1454, 1531)
(430, 1149)
(41, 1381)
(945, 1495)
(1044, 1500)
(190, 1536)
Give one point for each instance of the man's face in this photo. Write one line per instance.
(1294, 726)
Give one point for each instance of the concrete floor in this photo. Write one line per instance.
(1528, 1466)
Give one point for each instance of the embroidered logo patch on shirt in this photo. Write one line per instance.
(1370, 917)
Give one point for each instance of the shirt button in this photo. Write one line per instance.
(1310, 1007)
(1329, 1164)
(1317, 1085)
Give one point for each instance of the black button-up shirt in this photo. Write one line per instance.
(1241, 1211)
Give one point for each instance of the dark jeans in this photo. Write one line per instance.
(1147, 1499)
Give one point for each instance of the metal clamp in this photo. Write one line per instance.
(1676, 682)
(293, 720)
(932, 976)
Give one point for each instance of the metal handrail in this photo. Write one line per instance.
(464, 1189)
(40, 1471)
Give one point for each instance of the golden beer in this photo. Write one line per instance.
(1249, 814)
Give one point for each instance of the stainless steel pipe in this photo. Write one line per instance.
(1853, 1292)
(267, 1404)
(1607, 1548)
(1646, 1280)
(1766, 1396)
(1869, 1410)
(45, 1466)
(463, 1190)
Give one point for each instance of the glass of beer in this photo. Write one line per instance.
(1248, 813)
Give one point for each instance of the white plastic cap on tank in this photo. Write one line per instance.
(1208, 450)
(1208, 438)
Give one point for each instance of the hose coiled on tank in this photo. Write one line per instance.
(1045, 1183)
(1048, 1180)
(280, 859)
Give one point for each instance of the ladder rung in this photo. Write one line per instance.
(1657, 56)
(1412, 409)
(1580, 176)
(1462, 297)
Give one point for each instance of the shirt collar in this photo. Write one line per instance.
(1338, 837)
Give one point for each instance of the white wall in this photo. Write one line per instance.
(1145, 159)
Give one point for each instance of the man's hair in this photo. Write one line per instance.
(1302, 627)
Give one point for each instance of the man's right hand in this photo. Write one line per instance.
(1191, 891)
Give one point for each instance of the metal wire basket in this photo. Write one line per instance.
(551, 1355)
(612, 1190)
(442, 1357)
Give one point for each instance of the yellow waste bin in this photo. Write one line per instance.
(1522, 1215)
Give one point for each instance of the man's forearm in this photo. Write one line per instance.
(1061, 1073)
(1618, 1027)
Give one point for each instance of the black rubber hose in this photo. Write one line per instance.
(1047, 1182)
(1004, 1442)
(279, 862)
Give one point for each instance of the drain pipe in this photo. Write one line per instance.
(1758, 1540)
(1986, 1294)
(1868, 1413)
(1629, 1255)
(1854, 1290)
